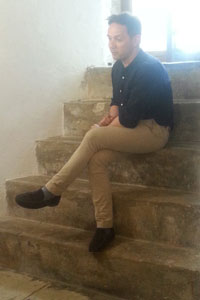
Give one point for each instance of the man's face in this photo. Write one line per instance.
(120, 43)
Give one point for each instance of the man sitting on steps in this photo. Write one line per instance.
(139, 121)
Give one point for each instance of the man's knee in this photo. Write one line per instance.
(96, 134)
(91, 134)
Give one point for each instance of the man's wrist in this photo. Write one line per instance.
(114, 111)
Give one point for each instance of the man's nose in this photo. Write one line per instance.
(112, 44)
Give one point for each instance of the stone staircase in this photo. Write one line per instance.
(156, 254)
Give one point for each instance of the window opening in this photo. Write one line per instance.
(170, 27)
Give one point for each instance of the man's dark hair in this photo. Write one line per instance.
(132, 23)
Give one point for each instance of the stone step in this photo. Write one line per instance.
(19, 286)
(132, 269)
(185, 79)
(80, 115)
(157, 215)
(176, 166)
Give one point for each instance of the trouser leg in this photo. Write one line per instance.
(101, 187)
(146, 137)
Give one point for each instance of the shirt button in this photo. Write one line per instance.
(120, 91)
(123, 77)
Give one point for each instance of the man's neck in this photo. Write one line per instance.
(129, 60)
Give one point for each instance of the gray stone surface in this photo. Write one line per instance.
(99, 82)
(185, 78)
(186, 121)
(15, 286)
(143, 213)
(80, 115)
(176, 166)
(18, 287)
(157, 256)
(131, 269)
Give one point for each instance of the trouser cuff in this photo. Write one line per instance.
(104, 224)
(52, 189)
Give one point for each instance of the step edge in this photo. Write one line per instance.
(161, 247)
(66, 285)
(105, 99)
(125, 187)
(171, 64)
(195, 145)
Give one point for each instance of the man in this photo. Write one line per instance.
(139, 121)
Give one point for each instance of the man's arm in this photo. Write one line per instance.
(108, 119)
(113, 112)
(116, 122)
(143, 96)
(114, 109)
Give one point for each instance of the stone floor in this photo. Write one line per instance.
(14, 286)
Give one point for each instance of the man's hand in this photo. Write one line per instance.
(116, 122)
(106, 120)
(95, 126)
(113, 113)
(109, 118)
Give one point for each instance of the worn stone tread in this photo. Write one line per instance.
(175, 166)
(154, 214)
(195, 145)
(20, 286)
(184, 77)
(129, 268)
(108, 100)
(80, 115)
(124, 248)
(191, 198)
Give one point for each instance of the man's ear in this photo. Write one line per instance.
(136, 40)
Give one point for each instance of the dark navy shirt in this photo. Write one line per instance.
(142, 91)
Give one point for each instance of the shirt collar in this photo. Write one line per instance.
(137, 59)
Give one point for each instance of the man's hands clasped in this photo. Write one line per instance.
(110, 119)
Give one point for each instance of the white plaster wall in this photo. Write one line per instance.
(45, 47)
(115, 6)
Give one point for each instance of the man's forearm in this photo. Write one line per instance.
(114, 111)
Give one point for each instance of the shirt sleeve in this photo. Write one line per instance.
(145, 87)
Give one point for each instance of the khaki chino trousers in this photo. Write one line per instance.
(99, 147)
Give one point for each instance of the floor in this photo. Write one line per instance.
(14, 286)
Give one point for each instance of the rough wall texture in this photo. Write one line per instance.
(45, 48)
